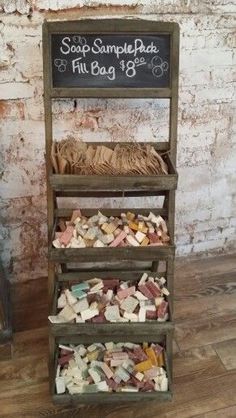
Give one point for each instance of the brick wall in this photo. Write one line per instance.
(206, 198)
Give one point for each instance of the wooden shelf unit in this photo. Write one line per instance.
(110, 186)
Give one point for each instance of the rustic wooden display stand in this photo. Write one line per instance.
(110, 186)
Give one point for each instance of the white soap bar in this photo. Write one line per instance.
(98, 244)
(140, 236)
(132, 241)
(109, 346)
(54, 319)
(129, 389)
(143, 278)
(139, 376)
(91, 347)
(102, 386)
(66, 347)
(131, 316)
(142, 314)
(164, 384)
(162, 280)
(70, 298)
(60, 385)
(56, 243)
(140, 296)
(165, 291)
(61, 302)
(88, 314)
(81, 305)
(109, 294)
(95, 375)
(68, 313)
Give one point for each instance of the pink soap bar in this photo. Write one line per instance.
(162, 309)
(140, 354)
(65, 359)
(149, 385)
(151, 314)
(108, 372)
(118, 239)
(99, 319)
(154, 288)
(157, 348)
(135, 382)
(110, 284)
(66, 235)
(145, 291)
(151, 373)
(122, 244)
(112, 384)
(154, 238)
(124, 293)
(120, 355)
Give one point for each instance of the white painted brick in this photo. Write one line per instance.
(201, 59)
(11, 91)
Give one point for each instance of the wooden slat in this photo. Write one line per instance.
(226, 350)
(65, 255)
(60, 182)
(201, 331)
(111, 330)
(69, 92)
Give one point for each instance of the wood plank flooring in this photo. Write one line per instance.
(204, 359)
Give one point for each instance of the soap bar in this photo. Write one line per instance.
(143, 366)
(66, 235)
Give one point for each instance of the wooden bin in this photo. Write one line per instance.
(65, 255)
(94, 398)
(136, 182)
(106, 328)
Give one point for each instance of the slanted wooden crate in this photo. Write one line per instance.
(125, 183)
(131, 329)
(65, 255)
(94, 398)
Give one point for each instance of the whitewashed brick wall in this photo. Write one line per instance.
(206, 198)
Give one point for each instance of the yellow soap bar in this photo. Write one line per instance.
(145, 242)
(142, 227)
(130, 216)
(93, 355)
(143, 366)
(152, 356)
(133, 225)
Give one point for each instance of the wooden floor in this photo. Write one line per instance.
(205, 353)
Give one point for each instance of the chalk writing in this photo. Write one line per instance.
(80, 60)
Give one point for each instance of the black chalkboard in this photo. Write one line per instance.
(82, 60)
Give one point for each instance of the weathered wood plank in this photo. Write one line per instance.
(205, 331)
(197, 306)
(198, 363)
(229, 412)
(226, 350)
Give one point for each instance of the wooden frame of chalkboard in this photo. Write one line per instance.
(113, 259)
(60, 63)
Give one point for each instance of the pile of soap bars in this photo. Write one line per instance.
(101, 231)
(111, 367)
(113, 300)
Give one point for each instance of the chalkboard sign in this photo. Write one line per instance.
(114, 60)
